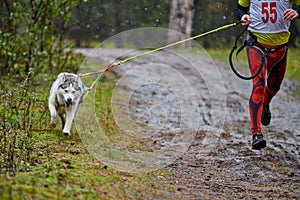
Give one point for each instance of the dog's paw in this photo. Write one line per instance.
(67, 133)
(53, 122)
(53, 125)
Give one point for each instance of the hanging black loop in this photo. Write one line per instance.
(263, 55)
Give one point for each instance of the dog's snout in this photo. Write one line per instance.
(69, 100)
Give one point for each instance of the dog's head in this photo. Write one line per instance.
(70, 88)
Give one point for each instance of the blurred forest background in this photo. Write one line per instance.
(32, 31)
(98, 20)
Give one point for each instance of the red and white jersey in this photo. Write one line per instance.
(267, 16)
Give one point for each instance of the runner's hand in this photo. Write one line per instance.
(290, 14)
(246, 20)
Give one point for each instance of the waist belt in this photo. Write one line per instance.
(251, 42)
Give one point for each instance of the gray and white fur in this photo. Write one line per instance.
(65, 96)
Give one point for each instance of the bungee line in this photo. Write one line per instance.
(98, 73)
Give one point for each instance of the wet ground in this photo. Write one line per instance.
(202, 104)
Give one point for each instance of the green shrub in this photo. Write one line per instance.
(33, 51)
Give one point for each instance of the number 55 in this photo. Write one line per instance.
(269, 11)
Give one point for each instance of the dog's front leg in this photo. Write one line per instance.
(69, 120)
(53, 114)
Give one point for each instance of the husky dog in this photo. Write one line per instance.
(65, 96)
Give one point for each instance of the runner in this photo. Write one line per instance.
(268, 22)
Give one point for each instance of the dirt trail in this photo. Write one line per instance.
(171, 91)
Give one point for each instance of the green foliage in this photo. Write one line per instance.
(20, 109)
(33, 50)
(293, 71)
(80, 176)
(31, 38)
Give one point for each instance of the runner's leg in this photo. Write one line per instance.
(258, 90)
(276, 70)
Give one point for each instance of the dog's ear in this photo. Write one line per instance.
(63, 78)
(78, 78)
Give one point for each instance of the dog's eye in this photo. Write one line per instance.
(66, 91)
(73, 92)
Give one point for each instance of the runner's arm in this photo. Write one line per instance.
(240, 11)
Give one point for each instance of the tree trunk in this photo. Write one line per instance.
(120, 17)
(181, 20)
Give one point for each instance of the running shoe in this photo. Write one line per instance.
(266, 116)
(258, 141)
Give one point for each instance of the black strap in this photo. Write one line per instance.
(238, 51)
(252, 43)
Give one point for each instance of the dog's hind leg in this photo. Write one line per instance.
(63, 120)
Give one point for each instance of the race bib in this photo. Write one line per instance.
(267, 16)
